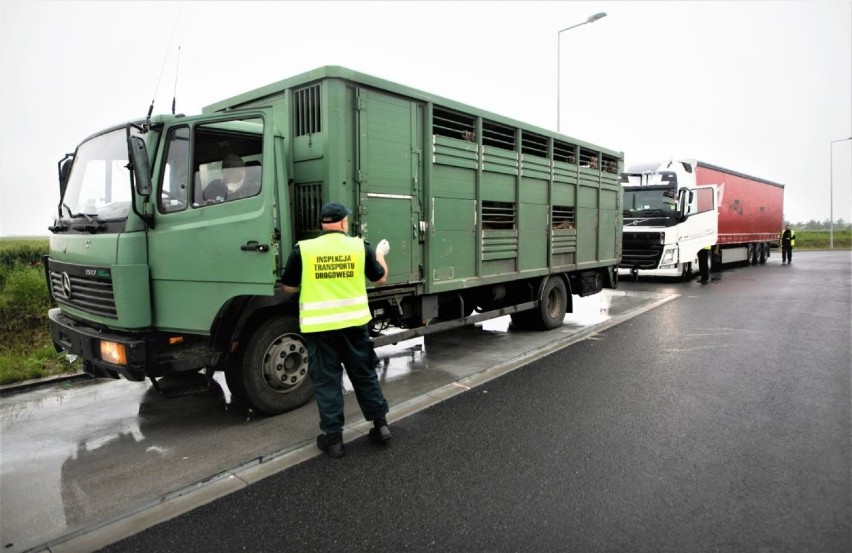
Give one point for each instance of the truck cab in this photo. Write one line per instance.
(158, 244)
(668, 218)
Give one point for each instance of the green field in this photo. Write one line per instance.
(25, 348)
(820, 239)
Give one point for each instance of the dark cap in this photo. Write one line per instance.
(232, 161)
(333, 212)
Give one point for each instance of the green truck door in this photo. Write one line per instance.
(389, 177)
(208, 246)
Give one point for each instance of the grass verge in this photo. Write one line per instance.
(26, 351)
(38, 361)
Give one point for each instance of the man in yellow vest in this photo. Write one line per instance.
(329, 273)
(788, 240)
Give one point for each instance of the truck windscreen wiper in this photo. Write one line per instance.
(644, 213)
(91, 224)
(81, 214)
(58, 228)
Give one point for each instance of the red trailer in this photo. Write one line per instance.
(751, 214)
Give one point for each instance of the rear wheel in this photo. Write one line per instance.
(272, 376)
(554, 303)
(551, 311)
(763, 254)
(749, 253)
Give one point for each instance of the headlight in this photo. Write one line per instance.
(668, 257)
(113, 352)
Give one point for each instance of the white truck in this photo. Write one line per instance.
(674, 209)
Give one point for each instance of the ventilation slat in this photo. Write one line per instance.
(307, 110)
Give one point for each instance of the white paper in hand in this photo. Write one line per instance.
(383, 248)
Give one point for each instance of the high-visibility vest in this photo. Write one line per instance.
(333, 290)
(792, 237)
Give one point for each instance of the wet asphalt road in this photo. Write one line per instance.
(716, 422)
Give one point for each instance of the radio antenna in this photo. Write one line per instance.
(177, 72)
(160, 78)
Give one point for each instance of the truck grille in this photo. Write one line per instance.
(641, 250)
(88, 294)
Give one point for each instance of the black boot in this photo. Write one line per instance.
(380, 433)
(332, 445)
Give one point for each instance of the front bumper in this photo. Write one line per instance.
(631, 271)
(77, 338)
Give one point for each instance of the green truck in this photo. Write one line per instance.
(159, 275)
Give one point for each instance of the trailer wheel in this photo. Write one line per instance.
(273, 375)
(749, 253)
(764, 253)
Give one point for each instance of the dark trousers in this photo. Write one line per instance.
(704, 264)
(786, 253)
(352, 348)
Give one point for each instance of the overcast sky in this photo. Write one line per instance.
(760, 87)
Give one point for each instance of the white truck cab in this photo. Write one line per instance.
(668, 218)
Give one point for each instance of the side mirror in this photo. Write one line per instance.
(685, 198)
(141, 166)
(64, 170)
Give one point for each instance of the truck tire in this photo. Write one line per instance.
(686, 274)
(749, 253)
(764, 253)
(551, 311)
(272, 375)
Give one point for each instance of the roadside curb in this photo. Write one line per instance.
(37, 383)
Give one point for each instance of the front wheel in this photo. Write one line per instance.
(272, 376)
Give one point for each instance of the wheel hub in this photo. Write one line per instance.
(285, 364)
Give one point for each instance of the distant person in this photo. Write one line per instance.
(704, 264)
(329, 273)
(788, 240)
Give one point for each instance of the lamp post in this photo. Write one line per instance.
(590, 19)
(831, 190)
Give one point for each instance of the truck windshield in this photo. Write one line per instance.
(99, 183)
(650, 202)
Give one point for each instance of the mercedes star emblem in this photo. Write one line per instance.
(66, 285)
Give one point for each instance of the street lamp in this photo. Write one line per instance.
(590, 19)
(831, 191)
